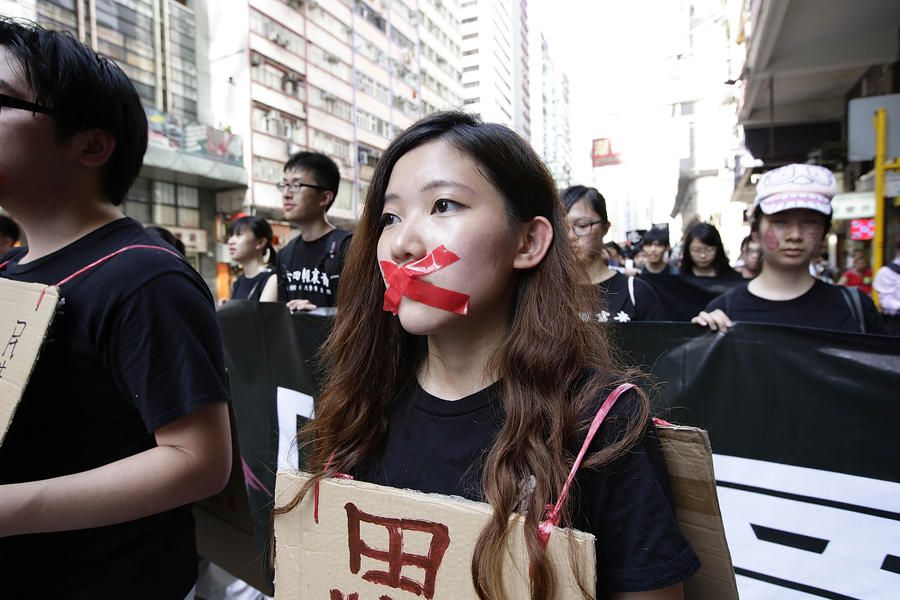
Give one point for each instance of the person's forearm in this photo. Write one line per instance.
(144, 484)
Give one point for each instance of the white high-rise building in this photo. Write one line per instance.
(495, 62)
(555, 135)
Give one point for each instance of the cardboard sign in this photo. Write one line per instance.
(379, 543)
(26, 311)
(689, 459)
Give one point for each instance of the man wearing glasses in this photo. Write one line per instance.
(310, 264)
(124, 420)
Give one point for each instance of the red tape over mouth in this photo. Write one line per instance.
(403, 281)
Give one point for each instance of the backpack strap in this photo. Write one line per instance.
(631, 290)
(851, 297)
(102, 260)
(554, 511)
(894, 267)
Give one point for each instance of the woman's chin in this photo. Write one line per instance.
(420, 319)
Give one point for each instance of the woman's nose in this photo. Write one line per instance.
(407, 243)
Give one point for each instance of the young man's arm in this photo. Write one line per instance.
(192, 461)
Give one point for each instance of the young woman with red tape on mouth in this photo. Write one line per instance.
(459, 363)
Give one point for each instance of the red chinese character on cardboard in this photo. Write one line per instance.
(394, 556)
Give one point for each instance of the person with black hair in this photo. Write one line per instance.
(790, 217)
(9, 233)
(704, 254)
(310, 264)
(168, 237)
(626, 298)
(250, 245)
(750, 263)
(124, 421)
(655, 245)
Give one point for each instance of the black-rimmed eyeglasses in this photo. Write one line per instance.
(10, 102)
(296, 186)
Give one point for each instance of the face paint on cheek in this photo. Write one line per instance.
(770, 240)
(404, 281)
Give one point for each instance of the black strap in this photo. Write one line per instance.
(851, 297)
(894, 267)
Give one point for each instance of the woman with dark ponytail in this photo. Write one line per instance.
(250, 245)
(459, 364)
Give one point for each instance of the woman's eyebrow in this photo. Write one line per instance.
(438, 183)
(433, 184)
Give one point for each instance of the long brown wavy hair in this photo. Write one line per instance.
(553, 364)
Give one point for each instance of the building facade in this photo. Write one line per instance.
(189, 167)
(496, 62)
(342, 77)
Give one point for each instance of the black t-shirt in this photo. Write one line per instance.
(250, 288)
(134, 347)
(312, 270)
(822, 307)
(619, 307)
(438, 446)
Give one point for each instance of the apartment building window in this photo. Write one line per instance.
(367, 158)
(329, 62)
(401, 40)
(372, 123)
(439, 33)
(369, 86)
(330, 23)
(370, 15)
(400, 70)
(274, 76)
(262, 25)
(125, 33)
(470, 52)
(163, 203)
(182, 58)
(328, 144)
(270, 171)
(330, 103)
(470, 20)
(370, 50)
(58, 14)
(276, 123)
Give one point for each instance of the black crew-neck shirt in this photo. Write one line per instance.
(438, 446)
(822, 307)
(312, 270)
(134, 347)
(618, 304)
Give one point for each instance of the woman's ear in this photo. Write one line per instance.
(535, 238)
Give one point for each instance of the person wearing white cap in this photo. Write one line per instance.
(790, 217)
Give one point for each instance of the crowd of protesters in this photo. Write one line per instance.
(94, 501)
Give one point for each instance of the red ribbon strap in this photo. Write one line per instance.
(552, 520)
(404, 281)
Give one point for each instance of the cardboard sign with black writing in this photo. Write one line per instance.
(26, 311)
(375, 542)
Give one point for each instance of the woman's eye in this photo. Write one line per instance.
(388, 219)
(444, 206)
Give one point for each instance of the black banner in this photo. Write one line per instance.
(683, 296)
(803, 424)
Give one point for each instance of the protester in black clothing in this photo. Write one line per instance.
(655, 245)
(250, 245)
(310, 265)
(494, 376)
(9, 233)
(123, 422)
(625, 298)
(790, 217)
(704, 254)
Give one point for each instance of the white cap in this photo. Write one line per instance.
(795, 186)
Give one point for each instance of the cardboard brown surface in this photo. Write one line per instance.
(689, 459)
(346, 552)
(23, 328)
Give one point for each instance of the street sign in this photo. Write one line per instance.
(861, 129)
